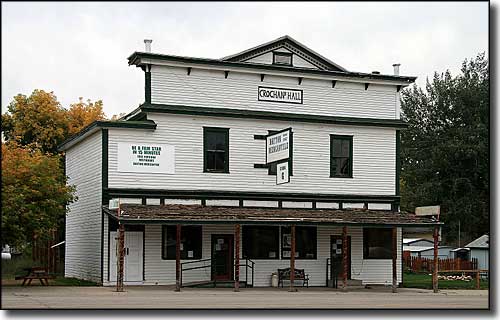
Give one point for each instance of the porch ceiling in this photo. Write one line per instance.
(197, 214)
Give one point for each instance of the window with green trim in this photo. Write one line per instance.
(216, 150)
(377, 243)
(191, 242)
(340, 156)
(305, 242)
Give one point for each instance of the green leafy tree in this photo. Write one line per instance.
(445, 150)
(34, 193)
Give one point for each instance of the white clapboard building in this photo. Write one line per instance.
(248, 155)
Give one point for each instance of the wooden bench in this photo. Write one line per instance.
(35, 273)
(284, 274)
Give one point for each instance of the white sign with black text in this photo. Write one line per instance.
(278, 146)
(280, 95)
(282, 173)
(146, 157)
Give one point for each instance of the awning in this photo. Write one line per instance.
(197, 214)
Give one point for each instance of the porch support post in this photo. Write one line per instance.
(292, 260)
(178, 258)
(344, 258)
(121, 256)
(237, 258)
(435, 269)
(394, 259)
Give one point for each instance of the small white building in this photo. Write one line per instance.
(198, 154)
(480, 249)
(427, 251)
(417, 242)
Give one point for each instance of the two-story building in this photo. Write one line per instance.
(199, 195)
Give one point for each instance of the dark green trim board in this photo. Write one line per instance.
(351, 162)
(147, 84)
(398, 161)
(248, 195)
(206, 132)
(145, 124)
(268, 115)
(135, 58)
(104, 186)
(102, 246)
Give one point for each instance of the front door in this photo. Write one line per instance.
(337, 256)
(133, 256)
(222, 256)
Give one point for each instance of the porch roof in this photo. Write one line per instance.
(197, 214)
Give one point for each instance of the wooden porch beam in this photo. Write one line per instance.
(178, 258)
(344, 258)
(435, 269)
(237, 258)
(292, 260)
(121, 253)
(394, 259)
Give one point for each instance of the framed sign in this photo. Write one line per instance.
(280, 95)
(146, 157)
(282, 173)
(278, 146)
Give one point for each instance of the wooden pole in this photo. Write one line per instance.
(292, 261)
(178, 258)
(121, 252)
(394, 259)
(435, 269)
(237, 258)
(344, 258)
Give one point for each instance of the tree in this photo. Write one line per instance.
(34, 193)
(38, 121)
(82, 114)
(445, 150)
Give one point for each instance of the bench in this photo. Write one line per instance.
(284, 274)
(35, 273)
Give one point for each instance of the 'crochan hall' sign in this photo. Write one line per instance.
(280, 95)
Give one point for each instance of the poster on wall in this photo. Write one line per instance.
(146, 157)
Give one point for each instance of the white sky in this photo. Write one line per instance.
(80, 49)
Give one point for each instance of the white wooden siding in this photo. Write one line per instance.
(159, 271)
(374, 152)
(83, 222)
(205, 88)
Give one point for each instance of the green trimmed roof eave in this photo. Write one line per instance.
(269, 115)
(135, 58)
(99, 124)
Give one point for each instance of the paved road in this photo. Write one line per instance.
(165, 297)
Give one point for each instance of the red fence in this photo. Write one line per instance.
(416, 264)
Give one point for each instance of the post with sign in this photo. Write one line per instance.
(278, 150)
(432, 211)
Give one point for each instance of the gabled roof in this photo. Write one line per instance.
(291, 44)
(481, 242)
(412, 240)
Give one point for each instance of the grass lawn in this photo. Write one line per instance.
(424, 281)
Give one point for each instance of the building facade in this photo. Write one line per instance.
(196, 155)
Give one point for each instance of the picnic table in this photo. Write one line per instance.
(39, 273)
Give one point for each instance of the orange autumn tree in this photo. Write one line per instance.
(82, 114)
(34, 193)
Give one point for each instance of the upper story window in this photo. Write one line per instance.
(340, 156)
(282, 58)
(216, 150)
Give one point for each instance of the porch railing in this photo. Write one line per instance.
(248, 264)
(330, 273)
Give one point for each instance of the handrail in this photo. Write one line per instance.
(248, 264)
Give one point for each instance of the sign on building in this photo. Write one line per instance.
(428, 211)
(278, 146)
(282, 173)
(280, 95)
(146, 157)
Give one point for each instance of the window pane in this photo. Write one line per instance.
(344, 166)
(337, 147)
(216, 141)
(282, 59)
(377, 243)
(210, 160)
(341, 163)
(260, 242)
(220, 159)
(305, 242)
(191, 242)
(345, 148)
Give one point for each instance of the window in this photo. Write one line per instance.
(341, 156)
(216, 150)
(260, 242)
(305, 242)
(282, 58)
(377, 243)
(190, 242)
